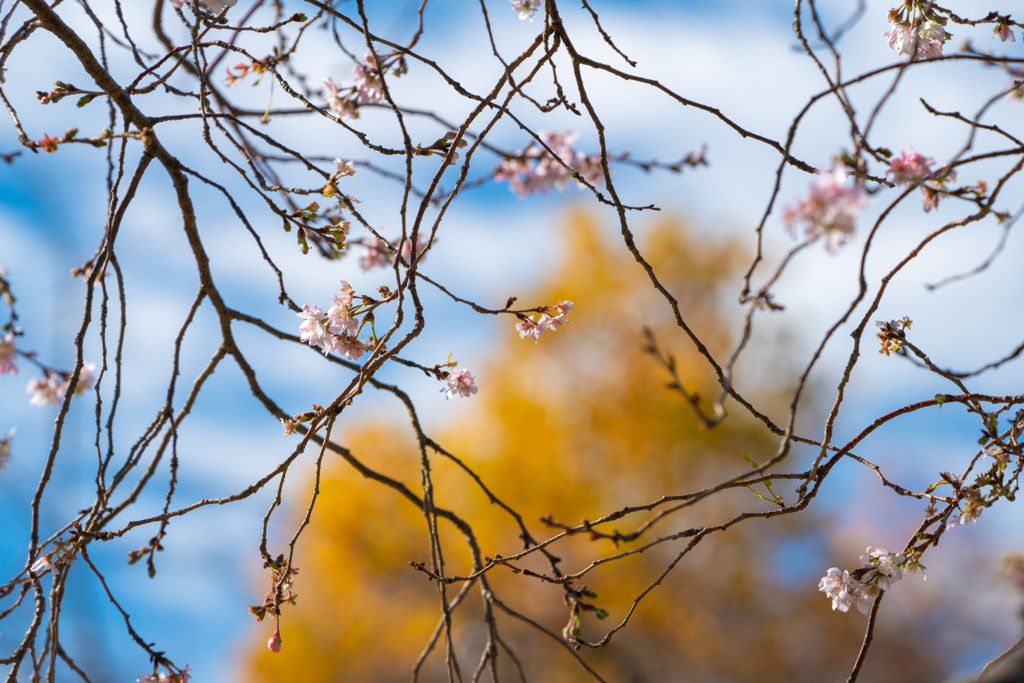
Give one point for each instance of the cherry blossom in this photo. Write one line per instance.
(348, 346)
(376, 255)
(926, 39)
(41, 564)
(7, 354)
(369, 86)
(844, 591)
(828, 210)
(342, 107)
(345, 168)
(460, 382)
(1003, 32)
(883, 568)
(908, 168)
(533, 169)
(339, 315)
(527, 8)
(528, 328)
(315, 328)
(45, 392)
(971, 508)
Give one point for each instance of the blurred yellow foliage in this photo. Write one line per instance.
(576, 426)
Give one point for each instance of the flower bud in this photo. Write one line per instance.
(274, 644)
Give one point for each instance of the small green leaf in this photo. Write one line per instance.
(940, 399)
(747, 458)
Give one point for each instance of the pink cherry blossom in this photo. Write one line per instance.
(345, 168)
(7, 354)
(927, 38)
(883, 567)
(828, 210)
(315, 328)
(339, 315)
(342, 107)
(1003, 32)
(460, 382)
(839, 587)
(45, 392)
(369, 86)
(533, 169)
(528, 328)
(376, 255)
(908, 168)
(349, 346)
(41, 564)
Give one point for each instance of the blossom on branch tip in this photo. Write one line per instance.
(460, 382)
(345, 168)
(829, 208)
(528, 328)
(1003, 32)
(923, 37)
(844, 591)
(908, 168)
(214, 6)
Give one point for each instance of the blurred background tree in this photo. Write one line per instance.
(568, 427)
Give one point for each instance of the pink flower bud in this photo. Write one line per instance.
(274, 644)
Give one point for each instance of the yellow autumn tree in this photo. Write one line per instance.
(571, 428)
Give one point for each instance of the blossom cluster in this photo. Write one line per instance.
(879, 570)
(533, 169)
(528, 327)
(378, 253)
(914, 168)
(336, 330)
(829, 208)
(460, 382)
(916, 33)
(368, 86)
(49, 390)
